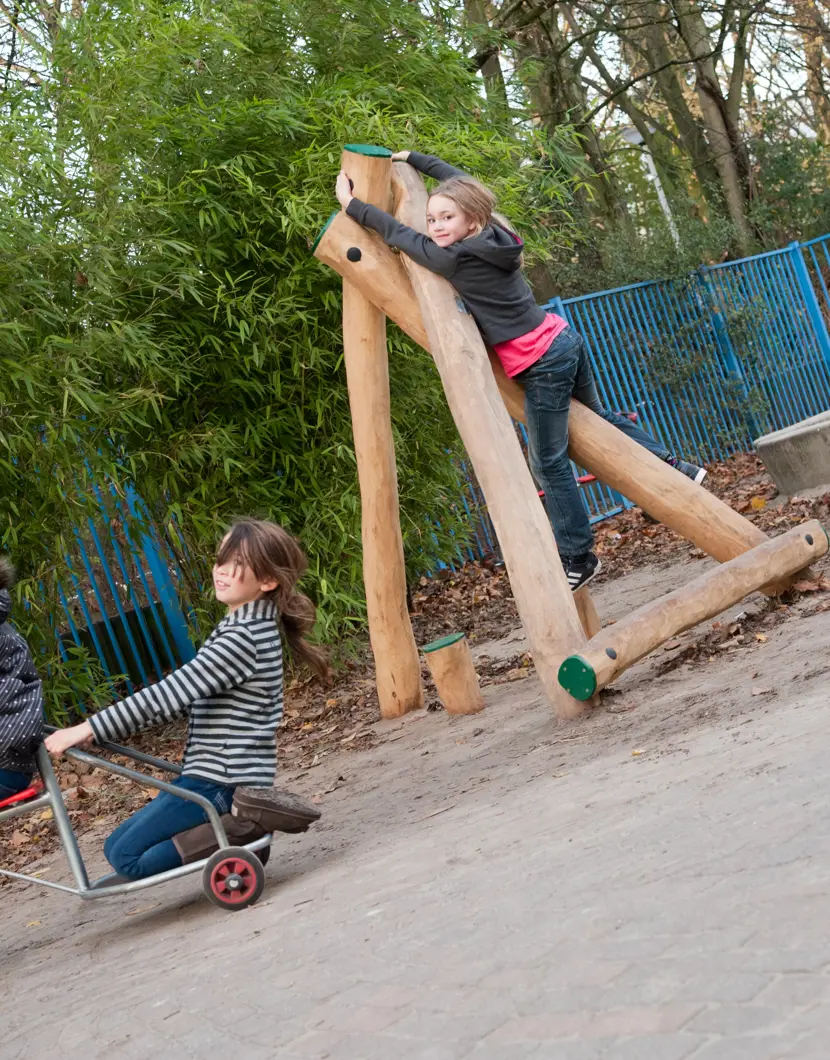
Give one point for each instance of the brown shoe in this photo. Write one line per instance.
(200, 842)
(274, 810)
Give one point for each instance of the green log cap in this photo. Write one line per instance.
(368, 149)
(323, 231)
(444, 642)
(577, 677)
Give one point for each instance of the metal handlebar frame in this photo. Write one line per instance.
(53, 799)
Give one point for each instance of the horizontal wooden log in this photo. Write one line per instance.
(617, 647)
(362, 258)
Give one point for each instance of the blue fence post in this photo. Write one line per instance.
(811, 303)
(727, 351)
(556, 305)
(160, 574)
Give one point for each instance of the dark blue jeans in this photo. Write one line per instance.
(11, 783)
(143, 845)
(561, 373)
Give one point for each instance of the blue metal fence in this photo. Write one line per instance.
(709, 362)
(120, 599)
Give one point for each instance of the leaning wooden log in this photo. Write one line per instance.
(397, 666)
(617, 647)
(540, 588)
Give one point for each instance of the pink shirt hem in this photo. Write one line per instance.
(520, 353)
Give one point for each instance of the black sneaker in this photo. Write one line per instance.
(692, 471)
(581, 569)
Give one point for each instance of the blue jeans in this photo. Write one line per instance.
(143, 845)
(563, 372)
(11, 783)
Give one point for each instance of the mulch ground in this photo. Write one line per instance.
(328, 719)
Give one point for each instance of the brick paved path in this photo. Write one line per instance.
(657, 907)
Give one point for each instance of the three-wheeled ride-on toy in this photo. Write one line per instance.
(232, 876)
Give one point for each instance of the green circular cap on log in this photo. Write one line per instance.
(368, 149)
(323, 231)
(444, 642)
(577, 677)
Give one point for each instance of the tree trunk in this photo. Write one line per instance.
(557, 95)
(491, 70)
(730, 154)
(815, 36)
(688, 127)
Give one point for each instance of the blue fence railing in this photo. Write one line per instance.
(709, 362)
(120, 598)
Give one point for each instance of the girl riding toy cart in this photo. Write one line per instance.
(232, 876)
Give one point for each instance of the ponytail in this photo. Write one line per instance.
(297, 615)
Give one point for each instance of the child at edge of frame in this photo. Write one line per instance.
(21, 699)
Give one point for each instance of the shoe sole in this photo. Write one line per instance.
(589, 579)
(700, 476)
(276, 810)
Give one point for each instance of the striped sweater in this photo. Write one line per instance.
(21, 698)
(233, 691)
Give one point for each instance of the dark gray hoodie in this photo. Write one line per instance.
(484, 269)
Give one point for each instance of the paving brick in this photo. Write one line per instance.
(733, 1020)
(795, 991)
(661, 981)
(663, 1047)
(565, 1050)
(752, 1048)
(624, 1022)
(447, 1027)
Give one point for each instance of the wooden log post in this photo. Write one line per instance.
(451, 664)
(595, 444)
(587, 612)
(543, 599)
(617, 647)
(397, 665)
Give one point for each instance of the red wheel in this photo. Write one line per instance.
(233, 878)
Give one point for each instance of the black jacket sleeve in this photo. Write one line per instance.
(433, 167)
(21, 698)
(417, 246)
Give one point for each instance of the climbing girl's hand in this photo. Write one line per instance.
(76, 736)
(400, 156)
(343, 189)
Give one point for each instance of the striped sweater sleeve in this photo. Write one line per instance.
(423, 250)
(226, 661)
